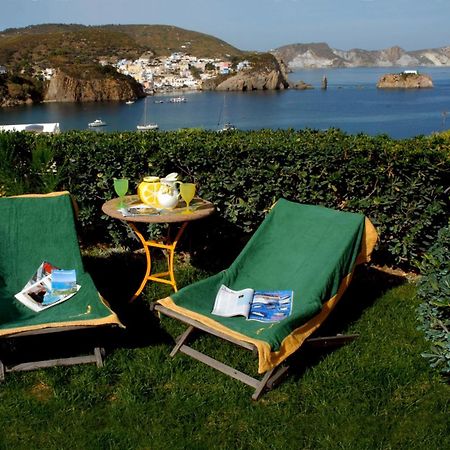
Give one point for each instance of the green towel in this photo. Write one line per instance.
(35, 229)
(304, 248)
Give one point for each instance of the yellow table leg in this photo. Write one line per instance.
(160, 277)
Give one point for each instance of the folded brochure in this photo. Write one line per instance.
(139, 209)
(48, 287)
(264, 306)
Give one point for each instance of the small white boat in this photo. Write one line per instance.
(178, 100)
(228, 127)
(97, 123)
(129, 102)
(149, 126)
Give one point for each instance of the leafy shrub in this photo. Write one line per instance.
(26, 165)
(399, 184)
(434, 291)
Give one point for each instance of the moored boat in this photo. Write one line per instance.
(148, 126)
(97, 123)
(178, 100)
(228, 127)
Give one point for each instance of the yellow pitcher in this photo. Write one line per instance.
(148, 191)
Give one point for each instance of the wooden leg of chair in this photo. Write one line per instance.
(98, 353)
(96, 357)
(276, 378)
(182, 339)
(2, 371)
(262, 384)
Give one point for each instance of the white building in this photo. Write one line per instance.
(36, 127)
(48, 73)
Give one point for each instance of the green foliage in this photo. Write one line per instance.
(434, 291)
(54, 45)
(27, 164)
(399, 185)
(44, 170)
(12, 167)
(20, 88)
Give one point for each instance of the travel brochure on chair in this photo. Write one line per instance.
(264, 306)
(48, 287)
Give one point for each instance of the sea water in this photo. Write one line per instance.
(352, 103)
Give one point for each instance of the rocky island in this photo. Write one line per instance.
(300, 85)
(405, 80)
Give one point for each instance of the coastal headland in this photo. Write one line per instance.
(77, 63)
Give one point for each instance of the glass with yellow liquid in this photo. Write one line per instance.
(187, 191)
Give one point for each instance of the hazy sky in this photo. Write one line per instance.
(259, 24)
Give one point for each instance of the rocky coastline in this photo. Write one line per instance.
(273, 80)
(65, 88)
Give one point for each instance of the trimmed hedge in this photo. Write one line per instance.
(401, 185)
(434, 311)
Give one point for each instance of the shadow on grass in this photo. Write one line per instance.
(117, 275)
(368, 285)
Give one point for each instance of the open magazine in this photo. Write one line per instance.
(48, 287)
(264, 306)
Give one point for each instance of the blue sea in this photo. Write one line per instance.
(352, 103)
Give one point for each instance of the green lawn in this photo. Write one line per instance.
(375, 393)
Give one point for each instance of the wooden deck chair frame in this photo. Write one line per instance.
(106, 318)
(318, 269)
(96, 357)
(269, 380)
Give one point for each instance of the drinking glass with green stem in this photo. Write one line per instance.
(121, 188)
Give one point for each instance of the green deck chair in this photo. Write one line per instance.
(312, 250)
(36, 228)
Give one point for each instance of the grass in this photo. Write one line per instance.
(375, 393)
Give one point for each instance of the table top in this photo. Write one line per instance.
(200, 209)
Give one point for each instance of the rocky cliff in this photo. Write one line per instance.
(16, 90)
(254, 81)
(318, 55)
(404, 81)
(271, 76)
(66, 88)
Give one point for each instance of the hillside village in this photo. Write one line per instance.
(177, 71)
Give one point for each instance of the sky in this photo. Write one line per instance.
(259, 24)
